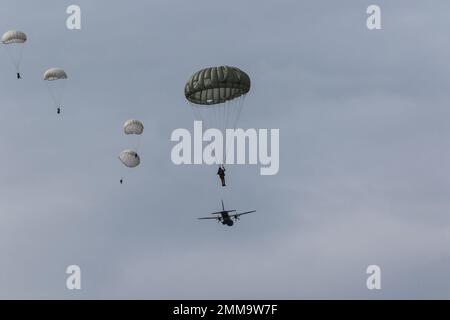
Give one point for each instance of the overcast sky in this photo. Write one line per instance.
(364, 151)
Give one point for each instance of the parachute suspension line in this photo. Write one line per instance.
(50, 91)
(197, 115)
(241, 103)
(15, 61)
(60, 93)
(138, 144)
(19, 59)
(224, 126)
(234, 114)
(237, 114)
(230, 121)
(213, 114)
(203, 113)
(222, 117)
(193, 110)
(221, 124)
(204, 118)
(216, 116)
(11, 57)
(56, 93)
(228, 108)
(216, 112)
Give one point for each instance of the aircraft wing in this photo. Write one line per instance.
(217, 218)
(242, 213)
(219, 212)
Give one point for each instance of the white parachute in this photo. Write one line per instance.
(13, 36)
(55, 81)
(133, 127)
(14, 42)
(53, 74)
(129, 158)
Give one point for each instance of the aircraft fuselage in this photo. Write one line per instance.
(226, 220)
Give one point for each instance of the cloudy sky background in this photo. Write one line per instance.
(364, 162)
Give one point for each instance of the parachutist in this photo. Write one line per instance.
(217, 97)
(221, 173)
(55, 90)
(14, 38)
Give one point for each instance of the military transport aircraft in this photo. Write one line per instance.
(225, 217)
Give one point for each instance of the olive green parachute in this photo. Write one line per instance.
(133, 127)
(216, 96)
(216, 85)
(129, 158)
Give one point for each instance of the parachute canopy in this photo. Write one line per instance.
(13, 36)
(216, 85)
(55, 74)
(133, 127)
(14, 46)
(129, 158)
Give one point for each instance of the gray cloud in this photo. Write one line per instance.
(364, 155)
